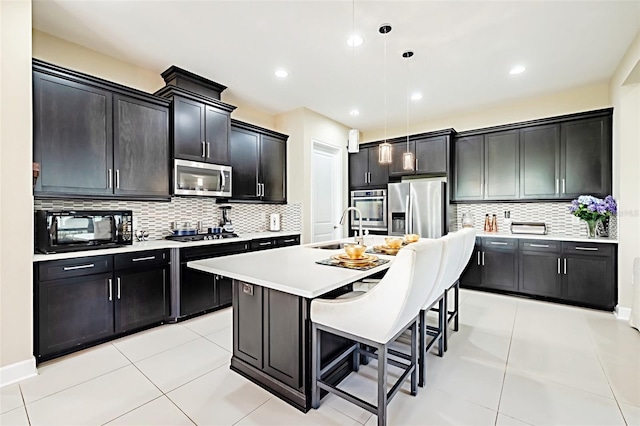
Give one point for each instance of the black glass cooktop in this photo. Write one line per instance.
(201, 237)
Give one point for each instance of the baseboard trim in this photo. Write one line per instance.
(18, 371)
(622, 313)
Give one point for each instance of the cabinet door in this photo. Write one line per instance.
(378, 173)
(247, 322)
(217, 135)
(397, 151)
(473, 273)
(540, 162)
(245, 161)
(74, 312)
(141, 148)
(273, 168)
(142, 298)
(197, 291)
(282, 331)
(431, 156)
(586, 157)
(540, 274)
(501, 167)
(73, 139)
(499, 269)
(188, 129)
(469, 168)
(589, 280)
(224, 287)
(359, 168)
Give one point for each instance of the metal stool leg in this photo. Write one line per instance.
(444, 317)
(315, 367)
(414, 359)
(382, 385)
(456, 290)
(442, 325)
(423, 348)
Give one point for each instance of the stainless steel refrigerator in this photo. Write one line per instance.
(417, 207)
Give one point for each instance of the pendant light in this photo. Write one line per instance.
(384, 149)
(408, 162)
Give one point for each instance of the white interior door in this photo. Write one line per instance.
(326, 192)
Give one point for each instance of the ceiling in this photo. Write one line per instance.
(463, 49)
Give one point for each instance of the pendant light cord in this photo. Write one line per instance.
(407, 99)
(385, 88)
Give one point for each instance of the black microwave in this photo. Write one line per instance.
(61, 231)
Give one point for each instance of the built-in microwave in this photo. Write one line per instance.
(61, 231)
(194, 178)
(373, 206)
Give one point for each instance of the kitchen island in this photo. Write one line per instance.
(272, 293)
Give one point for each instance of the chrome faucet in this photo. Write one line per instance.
(359, 239)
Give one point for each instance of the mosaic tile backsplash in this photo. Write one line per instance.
(154, 217)
(556, 215)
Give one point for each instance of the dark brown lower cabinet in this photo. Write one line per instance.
(84, 301)
(580, 273)
(197, 291)
(73, 312)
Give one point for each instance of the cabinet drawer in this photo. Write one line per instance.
(541, 245)
(141, 259)
(67, 268)
(593, 249)
(500, 243)
(214, 250)
(263, 244)
(293, 240)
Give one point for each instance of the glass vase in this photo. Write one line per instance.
(592, 224)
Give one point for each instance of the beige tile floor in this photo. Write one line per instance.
(513, 362)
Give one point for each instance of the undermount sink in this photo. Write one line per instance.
(333, 246)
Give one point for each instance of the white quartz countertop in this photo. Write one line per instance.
(290, 269)
(546, 237)
(158, 244)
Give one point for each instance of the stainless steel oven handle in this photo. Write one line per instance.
(223, 179)
(72, 268)
(406, 216)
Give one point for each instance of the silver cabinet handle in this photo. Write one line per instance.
(558, 266)
(499, 243)
(140, 259)
(482, 258)
(587, 248)
(262, 189)
(564, 188)
(257, 189)
(71, 268)
(539, 245)
(289, 241)
(118, 280)
(365, 177)
(265, 244)
(557, 185)
(478, 258)
(203, 149)
(110, 178)
(117, 178)
(208, 149)
(110, 289)
(565, 266)
(416, 163)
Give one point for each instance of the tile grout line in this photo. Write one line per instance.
(162, 351)
(249, 413)
(24, 404)
(506, 364)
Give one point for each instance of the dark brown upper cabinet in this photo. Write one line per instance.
(365, 171)
(430, 156)
(557, 158)
(258, 159)
(200, 122)
(96, 139)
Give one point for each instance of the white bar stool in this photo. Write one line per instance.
(376, 319)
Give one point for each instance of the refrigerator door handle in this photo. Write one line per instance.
(407, 216)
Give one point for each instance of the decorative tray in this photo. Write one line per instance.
(367, 262)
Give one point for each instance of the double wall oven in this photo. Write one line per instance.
(373, 206)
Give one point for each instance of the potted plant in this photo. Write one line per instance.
(592, 210)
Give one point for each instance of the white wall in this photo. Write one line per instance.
(303, 127)
(16, 201)
(625, 94)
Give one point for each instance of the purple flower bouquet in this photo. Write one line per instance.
(592, 210)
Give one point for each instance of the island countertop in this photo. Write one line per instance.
(290, 269)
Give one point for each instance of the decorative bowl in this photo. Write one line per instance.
(393, 243)
(411, 238)
(355, 251)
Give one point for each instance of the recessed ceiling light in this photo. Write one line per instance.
(354, 112)
(416, 96)
(517, 70)
(355, 40)
(281, 73)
